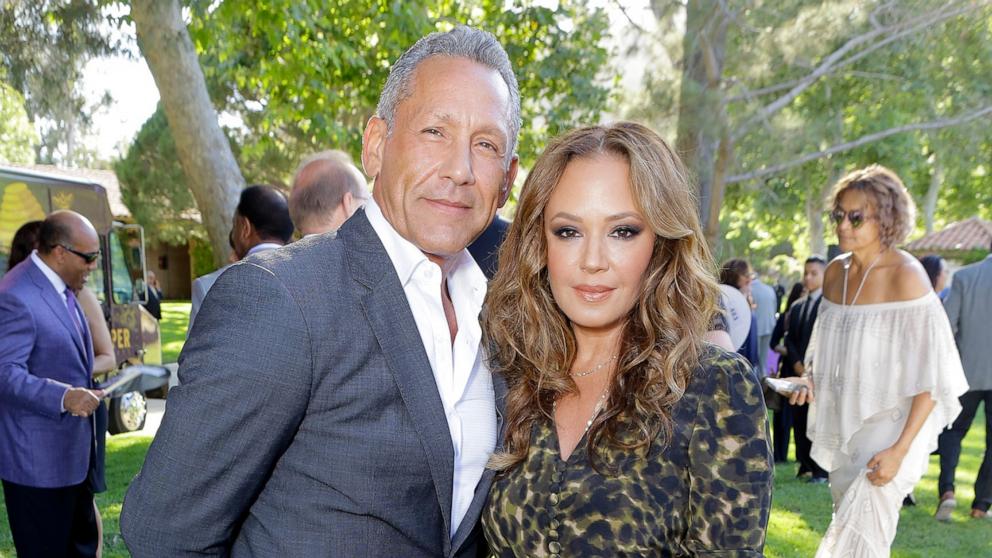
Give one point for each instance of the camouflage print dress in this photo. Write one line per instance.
(708, 493)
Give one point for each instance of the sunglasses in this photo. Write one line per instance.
(88, 257)
(856, 217)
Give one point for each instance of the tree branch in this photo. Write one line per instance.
(866, 139)
(630, 20)
(840, 58)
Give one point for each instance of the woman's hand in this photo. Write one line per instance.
(885, 465)
(804, 394)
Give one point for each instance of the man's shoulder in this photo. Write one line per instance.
(971, 271)
(18, 278)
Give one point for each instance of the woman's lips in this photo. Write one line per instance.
(593, 293)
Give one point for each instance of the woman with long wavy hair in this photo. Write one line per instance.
(626, 433)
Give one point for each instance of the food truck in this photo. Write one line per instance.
(118, 280)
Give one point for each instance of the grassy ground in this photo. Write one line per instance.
(175, 319)
(801, 512)
(125, 454)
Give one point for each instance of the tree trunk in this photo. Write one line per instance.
(817, 198)
(933, 192)
(204, 152)
(702, 116)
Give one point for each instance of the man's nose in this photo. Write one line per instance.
(457, 163)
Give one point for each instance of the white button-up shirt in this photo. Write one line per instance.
(460, 370)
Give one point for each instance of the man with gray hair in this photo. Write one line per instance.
(358, 424)
(327, 190)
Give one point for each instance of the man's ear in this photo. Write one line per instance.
(507, 186)
(373, 143)
(348, 204)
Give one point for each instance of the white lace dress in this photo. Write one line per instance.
(868, 362)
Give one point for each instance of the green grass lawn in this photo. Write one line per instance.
(175, 320)
(125, 454)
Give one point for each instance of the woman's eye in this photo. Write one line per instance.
(566, 232)
(626, 232)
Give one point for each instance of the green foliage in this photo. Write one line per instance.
(306, 75)
(17, 137)
(45, 44)
(201, 257)
(153, 186)
(937, 72)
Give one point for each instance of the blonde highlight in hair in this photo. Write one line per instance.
(531, 339)
(894, 207)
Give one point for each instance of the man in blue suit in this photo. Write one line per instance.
(47, 400)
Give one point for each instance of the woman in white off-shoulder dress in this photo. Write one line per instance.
(883, 364)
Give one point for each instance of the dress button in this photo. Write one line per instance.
(556, 556)
(555, 524)
(553, 499)
(554, 547)
(556, 477)
(552, 534)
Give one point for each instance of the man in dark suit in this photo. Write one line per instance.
(47, 400)
(802, 316)
(485, 249)
(334, 400)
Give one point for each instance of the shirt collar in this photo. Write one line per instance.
(407, 258)
(262, 247)
(50, 273)
(813, 296)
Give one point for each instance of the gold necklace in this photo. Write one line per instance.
(594, 370)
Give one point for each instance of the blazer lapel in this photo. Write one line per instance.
(389, 315)
(58, 307)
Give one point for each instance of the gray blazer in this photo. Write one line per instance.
(201, 286)
(969, 307)
(307, 421)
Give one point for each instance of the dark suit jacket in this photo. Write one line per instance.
(485, 249)
(307, 421)
(797, 337)
(41, 355)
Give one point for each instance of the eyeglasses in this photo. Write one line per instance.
(88, 257)
(856, 217)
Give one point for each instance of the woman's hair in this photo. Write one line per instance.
(732, 271)
(933, 265)
(894, 208)
(794, 294)
(25, 240)
(530, 338)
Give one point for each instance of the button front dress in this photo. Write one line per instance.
(707, 492)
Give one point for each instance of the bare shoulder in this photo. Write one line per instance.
(908, 278)
(833, 278)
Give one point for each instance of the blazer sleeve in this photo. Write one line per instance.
(953, 303)
(196, 299)
(18, 386)
(245, 381)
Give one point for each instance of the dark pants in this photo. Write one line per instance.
(782, 431)
(800, 415)
(51, 522)
(949, 447)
